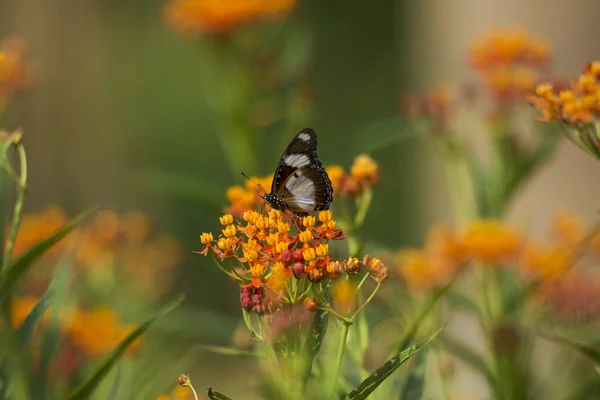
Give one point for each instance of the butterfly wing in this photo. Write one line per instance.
(300, 179)
(307, 189)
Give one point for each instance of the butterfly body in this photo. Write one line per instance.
(301, 184)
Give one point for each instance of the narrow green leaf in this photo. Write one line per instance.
(382, 373)
(35, 315)
(414, 385)
(415, 322)
(214, 395)
(587, 350)
(466, 354)
(114, 391)
(86, 389)
(20, 266)
(228, 351)
(313, 342)
(383, 134)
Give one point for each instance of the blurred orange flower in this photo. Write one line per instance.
(15, 74)
(491, 241)
(509, 61)
(218, 16)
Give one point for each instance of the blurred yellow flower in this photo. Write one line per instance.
(343, 295)
(20, 308)
(567, 227)
(421, 270)
(218, 16)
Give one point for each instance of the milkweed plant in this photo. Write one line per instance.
(325, 313)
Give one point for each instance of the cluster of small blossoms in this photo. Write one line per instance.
(580, 103)
(15, 74)
(509, 62)
(497, 244)
(364, 173)
(271, 250)
(219, 17)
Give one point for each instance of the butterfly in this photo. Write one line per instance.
(301, 184)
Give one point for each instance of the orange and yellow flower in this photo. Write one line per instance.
(580, 103)
(274, 248)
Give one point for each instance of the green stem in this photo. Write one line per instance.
(363, 305)
(232, 276)
(340, 358)
(18, 209)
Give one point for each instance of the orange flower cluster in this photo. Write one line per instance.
(110, 244)
(364, 174)
(578, 104)
(271, 253)
(94, 333)
(445, 250)
(508, 61)
(495, 244)
(438, 104)
(15, 74)
(218, 16)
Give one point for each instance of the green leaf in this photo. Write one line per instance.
(468, 356)
(415, 323)
(86, 389)
(382, 134)
(228, 351)
(414, 385)
(382, 373)
(589, 351)
(114, 391)
(214, 395)
(20, 266)
(313, 342)
(35, 315)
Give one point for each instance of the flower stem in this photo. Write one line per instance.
(340, 358)
(363, 305)
(17, 211)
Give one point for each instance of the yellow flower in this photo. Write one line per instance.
(206, 238)
(365, 169)
(278, 278)
(226, 219)
(15, 74)
(325, 216)
(336, 175)
(281, 247)
(229, 231)
(309, 254)
(257, 270)
(491, 240)
(308, 221)
(305, 236)
(322, 249)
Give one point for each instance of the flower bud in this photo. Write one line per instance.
(378, 270)
(298, 270)
(352, 265)
(297, 255)
(311, 304)
(286, 257)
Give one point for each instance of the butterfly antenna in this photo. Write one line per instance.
(257, 184)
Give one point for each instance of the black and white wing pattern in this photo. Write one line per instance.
(301, 184)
